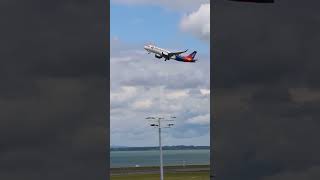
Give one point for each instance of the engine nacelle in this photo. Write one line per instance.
(158, 56)
(165, 54)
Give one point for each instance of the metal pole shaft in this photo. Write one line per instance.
(160, 145)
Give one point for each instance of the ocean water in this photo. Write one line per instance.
(152, 158)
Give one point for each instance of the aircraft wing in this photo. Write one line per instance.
(167, 56)
(176, 53)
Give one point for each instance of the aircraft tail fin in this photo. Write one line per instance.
(192, 55)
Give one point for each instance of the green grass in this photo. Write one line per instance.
(168, 176)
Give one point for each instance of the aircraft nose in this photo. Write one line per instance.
(145, 47)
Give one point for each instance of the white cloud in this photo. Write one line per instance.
(137, 68)
(205, 92)
(176, 95)
(198, 22)
(142, 104)
(200, 120)
(142, 86)
(124, 94)
(177, 5)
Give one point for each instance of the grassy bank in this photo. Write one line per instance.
(168, 176)
(193, 172)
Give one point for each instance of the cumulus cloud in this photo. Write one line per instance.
(132, 67)
(142, 86)
(201, 120)
(142, 104)
(198, 22)
(177, 94)
(205, 92)
(123, 95)
(173, 5)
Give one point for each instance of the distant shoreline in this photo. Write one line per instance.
(156, 148)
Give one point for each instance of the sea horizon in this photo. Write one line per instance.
(147, 158)
(145, 148)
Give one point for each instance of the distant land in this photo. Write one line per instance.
(180, 147)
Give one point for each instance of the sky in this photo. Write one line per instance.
(143, 86)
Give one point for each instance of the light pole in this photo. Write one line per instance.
(158, 125)
(160, 146)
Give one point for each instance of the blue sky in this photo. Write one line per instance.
(142, 85)
(141, 24)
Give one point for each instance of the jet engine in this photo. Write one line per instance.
(158, 56)
(165, 54)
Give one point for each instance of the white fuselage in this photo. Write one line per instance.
(158, 51)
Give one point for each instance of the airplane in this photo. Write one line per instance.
(167, 55)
